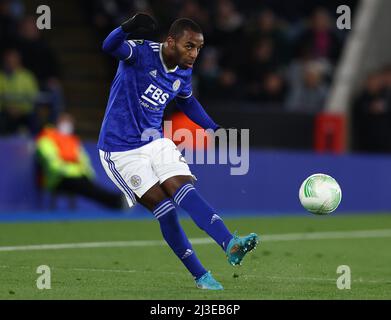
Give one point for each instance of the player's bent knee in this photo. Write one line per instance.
(171, 185)
(153, 197)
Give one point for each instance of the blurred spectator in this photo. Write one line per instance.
(18, 92)
(228, 23)
(273, 91)
(36, 54)
(192, 9)
(8, 24)
(108, 13)
(308, 94)
(320, 37)
(42, 117)
(65, 165)
(372, 116)
(17, 8)
(387, 83)
(296, 68)
(39, 58)
(262, 62)
(228, 36)
(251, 43)
(209, 73)
(228, 85)
(268, 27)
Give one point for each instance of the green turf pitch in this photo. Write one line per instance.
(284, 266)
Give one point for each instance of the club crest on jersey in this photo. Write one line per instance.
(135, 180)
(176, 85)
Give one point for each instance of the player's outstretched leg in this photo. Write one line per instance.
(177, 240)
(205, 217)
(239, 246)
(208, 220)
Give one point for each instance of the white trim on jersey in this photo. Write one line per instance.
(131, 50)
(185, 97)
(132, 43)
(162, 61)
(155, 46)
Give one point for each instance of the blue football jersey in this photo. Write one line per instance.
(141, 89)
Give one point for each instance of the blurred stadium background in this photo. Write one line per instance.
(315, 98)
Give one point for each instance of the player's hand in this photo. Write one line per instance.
(140, 22)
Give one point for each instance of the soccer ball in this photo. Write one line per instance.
(320, 194)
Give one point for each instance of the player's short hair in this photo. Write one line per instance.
(182, 24)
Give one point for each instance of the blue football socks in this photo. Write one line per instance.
(202, 214)
(176, 238)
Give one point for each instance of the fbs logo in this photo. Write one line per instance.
(155, 95)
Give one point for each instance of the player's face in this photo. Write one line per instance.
(187, 48)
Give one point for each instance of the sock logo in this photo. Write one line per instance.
(214, 218)
(188, 253)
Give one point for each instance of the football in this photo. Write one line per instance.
(320, 194)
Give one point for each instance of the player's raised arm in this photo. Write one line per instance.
(194, 110)
(116, 45)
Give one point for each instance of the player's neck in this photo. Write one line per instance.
(167, 59)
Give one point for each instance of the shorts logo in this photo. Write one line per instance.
(135, 181)
(182, 159)
(176, 84)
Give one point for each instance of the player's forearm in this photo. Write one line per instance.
(194, 110)
(115, 44)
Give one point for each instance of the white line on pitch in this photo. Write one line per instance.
(298, 279)
(263, 277)
(102, 270)
(381, 233)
